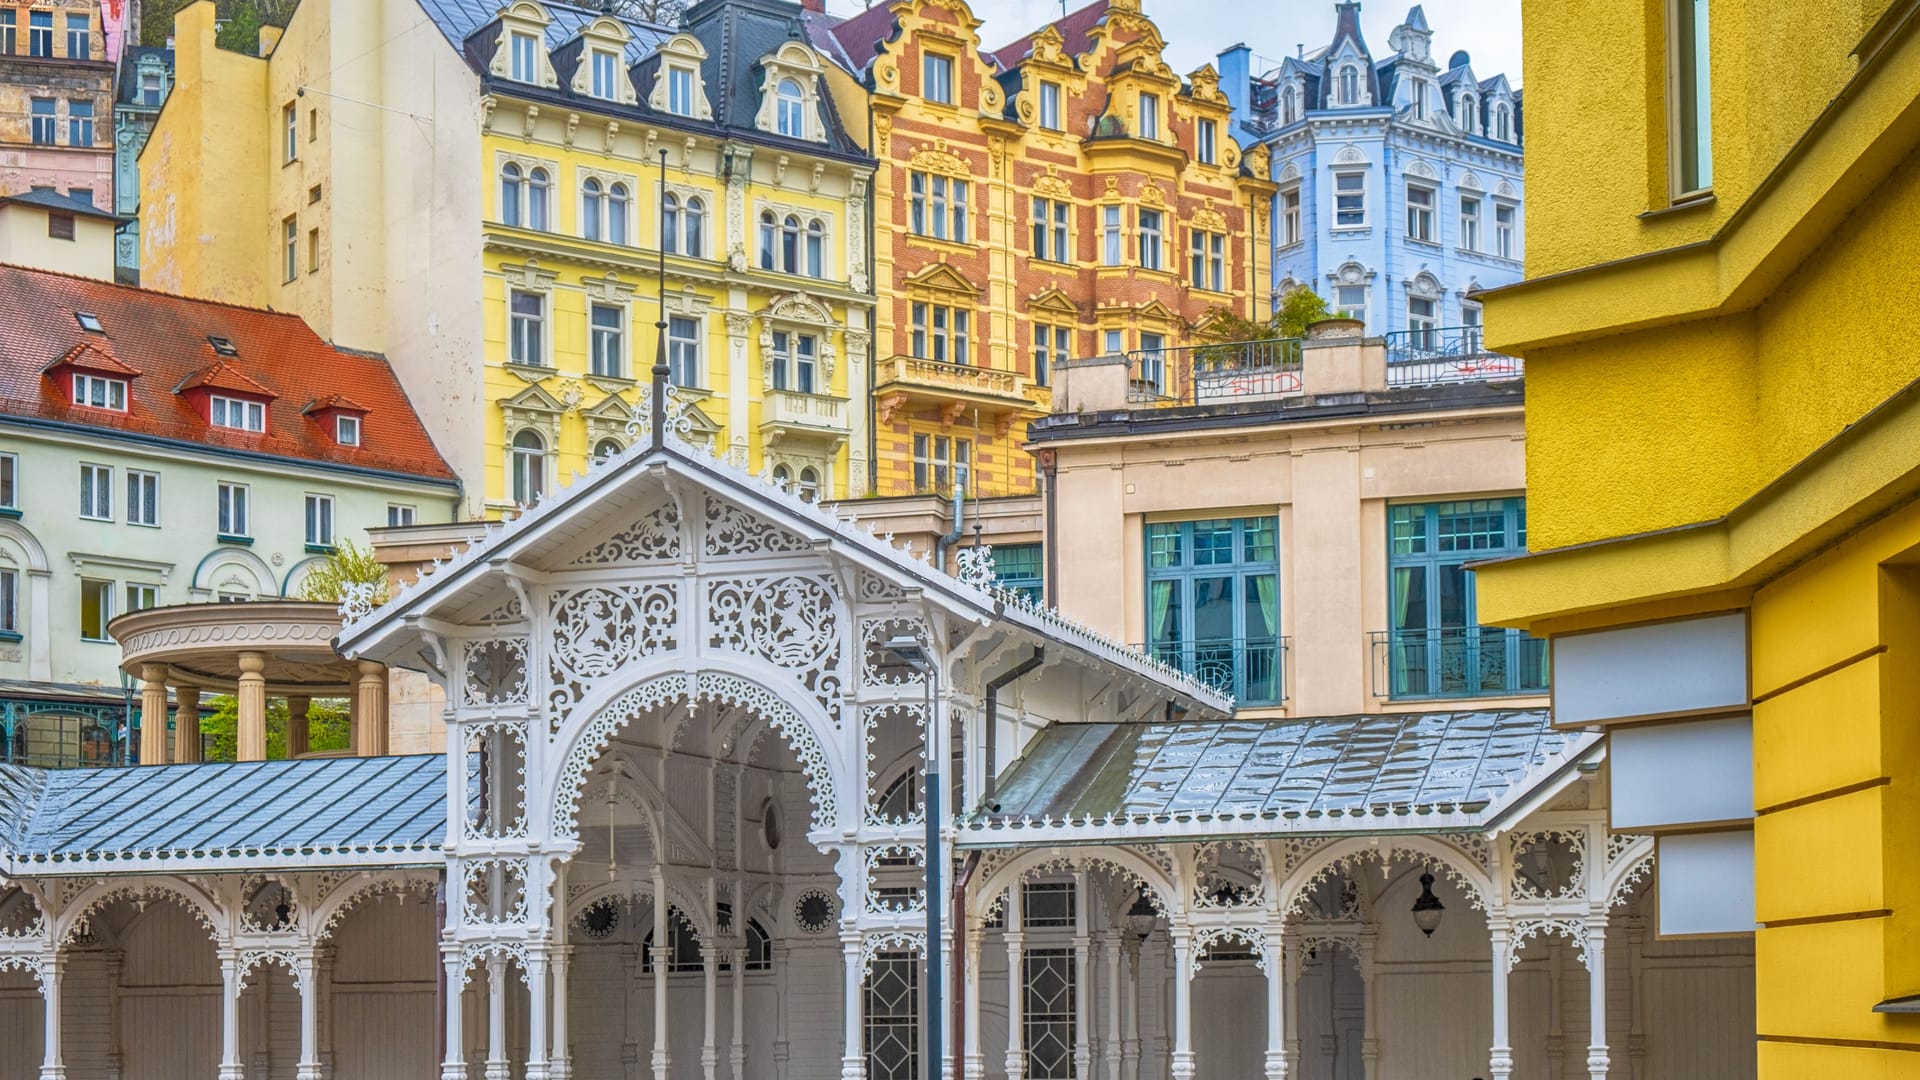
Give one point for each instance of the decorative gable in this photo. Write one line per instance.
(684, 55)
(606, 37)
(790, 83)
(519, 22)
(1053, 301)
(942, 277)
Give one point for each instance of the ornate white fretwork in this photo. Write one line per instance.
(733, 531)
(655, 537)
(477, 881)
(1251, 936)
(253, 959)
(495, 672)
(873, 944)
(792, 621)
(1574, 930)
(600, 629)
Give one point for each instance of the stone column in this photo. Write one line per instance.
(537, 1011)
(560, 1060)
(975, 1061)
(737, 1052)
(308, 976)
(1500, 1056)
(52, 1066)
(1598, 1060)
(370, 709)
(454, 1065)
(1016, 985)
(710, 1006)
(153, 713)
(1183, 1058)
(853, 1053)
(1274, 955)
(1112, 1046)
(251, 727)
(186, 723)
(298, 742)
(230, 1067)
(497, 1068)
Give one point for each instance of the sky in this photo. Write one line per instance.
(1196, 30)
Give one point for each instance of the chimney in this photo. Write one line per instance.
(818, 7)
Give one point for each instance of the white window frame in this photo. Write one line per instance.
(604, 74)
(1050, 94)
(942, 333)
(105, 588)
(1290, 217)
(1420, 215)
(1050, 229)
(143, 498)
(796, 362)
(290, 133)
(1052, 344)
(527, 337)
(346, 430)
(1152, 239)
(113, 392)
(1506, 233)
(1113, 245)
(222, 412)
(1361, 194)
(1207, 141)
(1348, 84)
(937, 206)
(527, 468)
(684, 350)
(790, 109)
(96, 492)
(1343, 306)
(233, 509)
(607, 345)
(319, 520)
(142, 595)
(937, 70)
(1471, 208)
(9, 481)
(400, 515)
(290, 247)
(679, 90)
(10, 604)
(523, 63)
(1149, 116)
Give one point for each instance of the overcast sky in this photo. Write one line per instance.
(1198, 29)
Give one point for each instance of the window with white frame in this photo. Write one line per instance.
(100, 393)
(680, 90)
(513, 193)
(1349, 84)
(79, 123)
(79, 37)
(683, 350)
(140, 596)
(524, 65)
(10, 604)
(1421, 321)
(1150, 254)
(1350, 301)
(1502, 129)
(346, 430)
(606, 332)
(319, 521)
(605, 75)
(606, 449)
(1470, 114)
(233, 510)
(1290, 216)
(45, 121)
(399, 514)
(1051, 345)
(237, 413)
(1503, 228)
(940, 461)
(290, 248)
(1417, 98)
(1350, 199)
(1150, 116)
(96, 492)
(1112, 343)
(1112, 243)
(936, 78)
(1047, 1013)
(96, 608)
(527, 467)
(539, 209)
(1470, 222)
(1289, 105)
(1206, 141)
(527, 327)
(619, 211)
(593, 208)
(289, 132)
(684, 225)
(937, 206)
(143, 497)
(794, 357)
(940, 333)
(1420, 212)
(1153, 362)
(9, 482)
(816, 248)
(1050, 229)
(40, 34)
(1050, 106)
(1470, 323)
(790, 109)
(789, 246)
(891, 1014)
(1208, 259)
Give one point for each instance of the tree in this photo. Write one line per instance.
(350, 564)
(1299, 308)
(658, 12)
(328, 727)
(241, 32)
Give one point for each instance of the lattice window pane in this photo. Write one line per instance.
(893, 1017)
(1047, 1016)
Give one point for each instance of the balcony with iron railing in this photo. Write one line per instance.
(1450, 354)
(1458, 662)
(1215, 374)
(1253, 670)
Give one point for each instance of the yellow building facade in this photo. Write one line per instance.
(379, 195)
(1721, 444)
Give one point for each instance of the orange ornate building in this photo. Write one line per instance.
(1065, 196)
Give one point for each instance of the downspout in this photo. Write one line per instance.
(942, 543)
(873, 321)
(1049, 474)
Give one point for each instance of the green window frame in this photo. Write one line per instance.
(1213, 603)
(1435, 646)
(1021, 568)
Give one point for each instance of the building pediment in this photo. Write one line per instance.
(942, 277)
(1054, 301)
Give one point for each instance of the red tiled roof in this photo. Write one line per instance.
(165, 337)
(94, 356)
(1076, 32)
(333, 401)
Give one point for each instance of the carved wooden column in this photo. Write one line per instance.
(1598, 1060)
(1637, 999)
(308, 976)
(1112, 1047)
(662, 1059)
(153, 714)
(1370, 1011)
(1016, 987)
(1183, 1057)
(853, 1053)
(1500, 1056)
(52, 1065)
(1274, 954)
(186, 723)
(230, 1067)
(298, 741)
(454, 1065)
(560, 1061)
(251, 727)
(1082, 1051)
(370, 709)
(1291, 960)
(497, 1067)
(737, 1052)
(710, 1006)
(537, 1004)
(1130, 1023)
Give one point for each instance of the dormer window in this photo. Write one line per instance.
(1349, 85)
(1149, 116)
(605, 71)
(97, 392)
(89, 322)
(680, 90)
(522, 58)
(223, 346)
(790, 113)
(346, 430)
(1419, 93)
(1206, 142)
(237, 414)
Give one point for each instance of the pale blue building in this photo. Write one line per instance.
(144, 80)
(1401, 189)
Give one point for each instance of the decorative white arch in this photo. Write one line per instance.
(632, 893)
(205, 910)
(1456, 864)
(207, 576)
(333, 909)
(29, 543)
(32, 964)
(1625, 870)
(1131, 864)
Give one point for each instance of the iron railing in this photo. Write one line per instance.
(51, 741)
(1448, 354)
(1458, 662)
(1215, 374)
(1253, 670)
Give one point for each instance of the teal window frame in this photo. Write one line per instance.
(1187, 564)
(1021, 568)
(1435, 645)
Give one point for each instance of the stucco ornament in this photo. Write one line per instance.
(976, 566)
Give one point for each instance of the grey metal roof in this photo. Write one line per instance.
(1283, 769)
(457, 19)
(313, 811)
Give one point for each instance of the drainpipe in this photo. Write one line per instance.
(942, 543)
(960, 885)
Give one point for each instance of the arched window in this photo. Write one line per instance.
(790, 109)
(670, 223)
(1469, 114)
(1500, 122)
(529, 467)
(696, 219)
(816, 248)
(809, 484)
(683, 947)
(1349, 85)
(759, 947)
(512, 190)
(769, 239)
(1289, 106)
(593, 203)
(539, 195)
(790, 244)
(901, 800)
(606, 448)
(782, 475)
(618, 204)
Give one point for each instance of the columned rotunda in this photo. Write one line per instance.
(680, 833)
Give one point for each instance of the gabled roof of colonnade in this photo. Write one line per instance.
(454, 590)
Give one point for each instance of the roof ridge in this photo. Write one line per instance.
(82, 278)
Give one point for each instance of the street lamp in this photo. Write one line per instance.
(1427, 909)
(907, 651)
(1141, 916)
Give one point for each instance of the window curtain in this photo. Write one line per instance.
(1266, 589)
(1161, 619)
